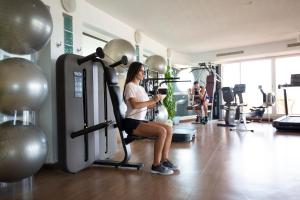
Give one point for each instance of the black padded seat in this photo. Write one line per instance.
(119, 108)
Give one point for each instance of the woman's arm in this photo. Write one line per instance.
(150, 104)
(192, 91)
(202, 93)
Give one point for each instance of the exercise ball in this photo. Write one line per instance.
(23, 86)
(23, 150)
(162, 115)
(26, 26)
(156, 63)
(116, 48)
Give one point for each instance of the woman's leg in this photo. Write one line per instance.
(165, 154)
(151, 129)
(205, 108)
(197, 109)
(168, 141)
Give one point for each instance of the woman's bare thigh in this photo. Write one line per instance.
(149, 129)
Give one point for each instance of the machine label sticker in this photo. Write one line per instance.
(78, 84)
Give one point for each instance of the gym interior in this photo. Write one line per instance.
(228, 73)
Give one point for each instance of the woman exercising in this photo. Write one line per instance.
(137, 102)
(200, 99)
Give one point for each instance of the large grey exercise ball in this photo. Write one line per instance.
(23, 86)
(116, 48)
(156, 63)
(25, 26)
(23, 151)
(162, 115)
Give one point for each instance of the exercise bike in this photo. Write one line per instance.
(233, 107)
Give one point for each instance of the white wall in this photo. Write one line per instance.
(85, 18)
(88, 18)
(250, 52)
(47, 60)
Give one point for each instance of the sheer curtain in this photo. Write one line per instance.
(252, 73)
(231, 74)
(284, 67)
(259, 72)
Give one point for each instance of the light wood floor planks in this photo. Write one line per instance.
(218, 165)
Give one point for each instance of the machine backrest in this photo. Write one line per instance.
(238, 90)
(119, 106)
(228, 95)
(210, 86)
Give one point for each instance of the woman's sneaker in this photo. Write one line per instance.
(160, 169)
(169, 165)
(204, 120)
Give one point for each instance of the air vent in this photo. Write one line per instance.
(293, 44)
(229, 53)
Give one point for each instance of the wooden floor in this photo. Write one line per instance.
(218, 165)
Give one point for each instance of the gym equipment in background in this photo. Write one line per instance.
(212, 78)
(162, 114)
(234, 111)
(159, 113)
(288, 122)
(75, 111)
(268, 100)
(151, 85)
(23, 86)
(183, 133)
(115, 49)
(229, 107)
(240, 116)
(156, 63)
(26, 26)
(23, 150)
(76, 120)
(119, 113)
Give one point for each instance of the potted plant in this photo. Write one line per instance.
(169, 100)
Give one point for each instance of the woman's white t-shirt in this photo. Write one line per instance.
(133, 90)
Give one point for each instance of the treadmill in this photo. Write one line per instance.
(288, 122)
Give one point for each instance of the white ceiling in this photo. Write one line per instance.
(194, 26)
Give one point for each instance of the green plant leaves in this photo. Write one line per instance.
(169, 100)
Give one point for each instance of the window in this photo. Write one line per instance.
(252, 73)
(259, 72)
(185, 74)
(90, 43)
(231, 74)
(284, 67)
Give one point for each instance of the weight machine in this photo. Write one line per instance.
(181, 133)
(211, 88)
